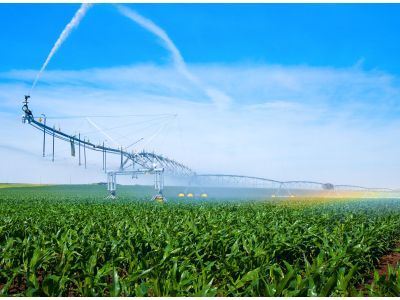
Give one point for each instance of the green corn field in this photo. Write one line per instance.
(71, 241)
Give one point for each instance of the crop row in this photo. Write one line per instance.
(57, 244)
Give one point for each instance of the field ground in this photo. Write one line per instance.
(71, 241)
(17, 185)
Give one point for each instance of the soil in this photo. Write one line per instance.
(392, 259)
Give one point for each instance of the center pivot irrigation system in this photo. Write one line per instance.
(139, 163)
(132, 164)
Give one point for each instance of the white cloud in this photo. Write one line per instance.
(220, 99)
(284, 122)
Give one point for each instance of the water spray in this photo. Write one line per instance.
(63, 36)
(218, 97)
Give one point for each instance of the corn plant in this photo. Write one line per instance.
(70, 241)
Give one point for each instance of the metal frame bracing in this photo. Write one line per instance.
(138, 163)
(134, 164)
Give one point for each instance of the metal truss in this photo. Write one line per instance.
(279, 188)
(134, 164)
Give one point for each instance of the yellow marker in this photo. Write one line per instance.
(190, 195)
(180, 195)
(204, 195)
(40, 120)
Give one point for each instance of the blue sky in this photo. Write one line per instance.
(337, 35)
(282, 91)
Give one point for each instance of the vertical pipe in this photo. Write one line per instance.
(105, 160)
(44, 137)
(79, 143)
(103, 156)
(121, 159)
(84, 151)
(53, 143)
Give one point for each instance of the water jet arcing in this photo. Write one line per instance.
(63, 36)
